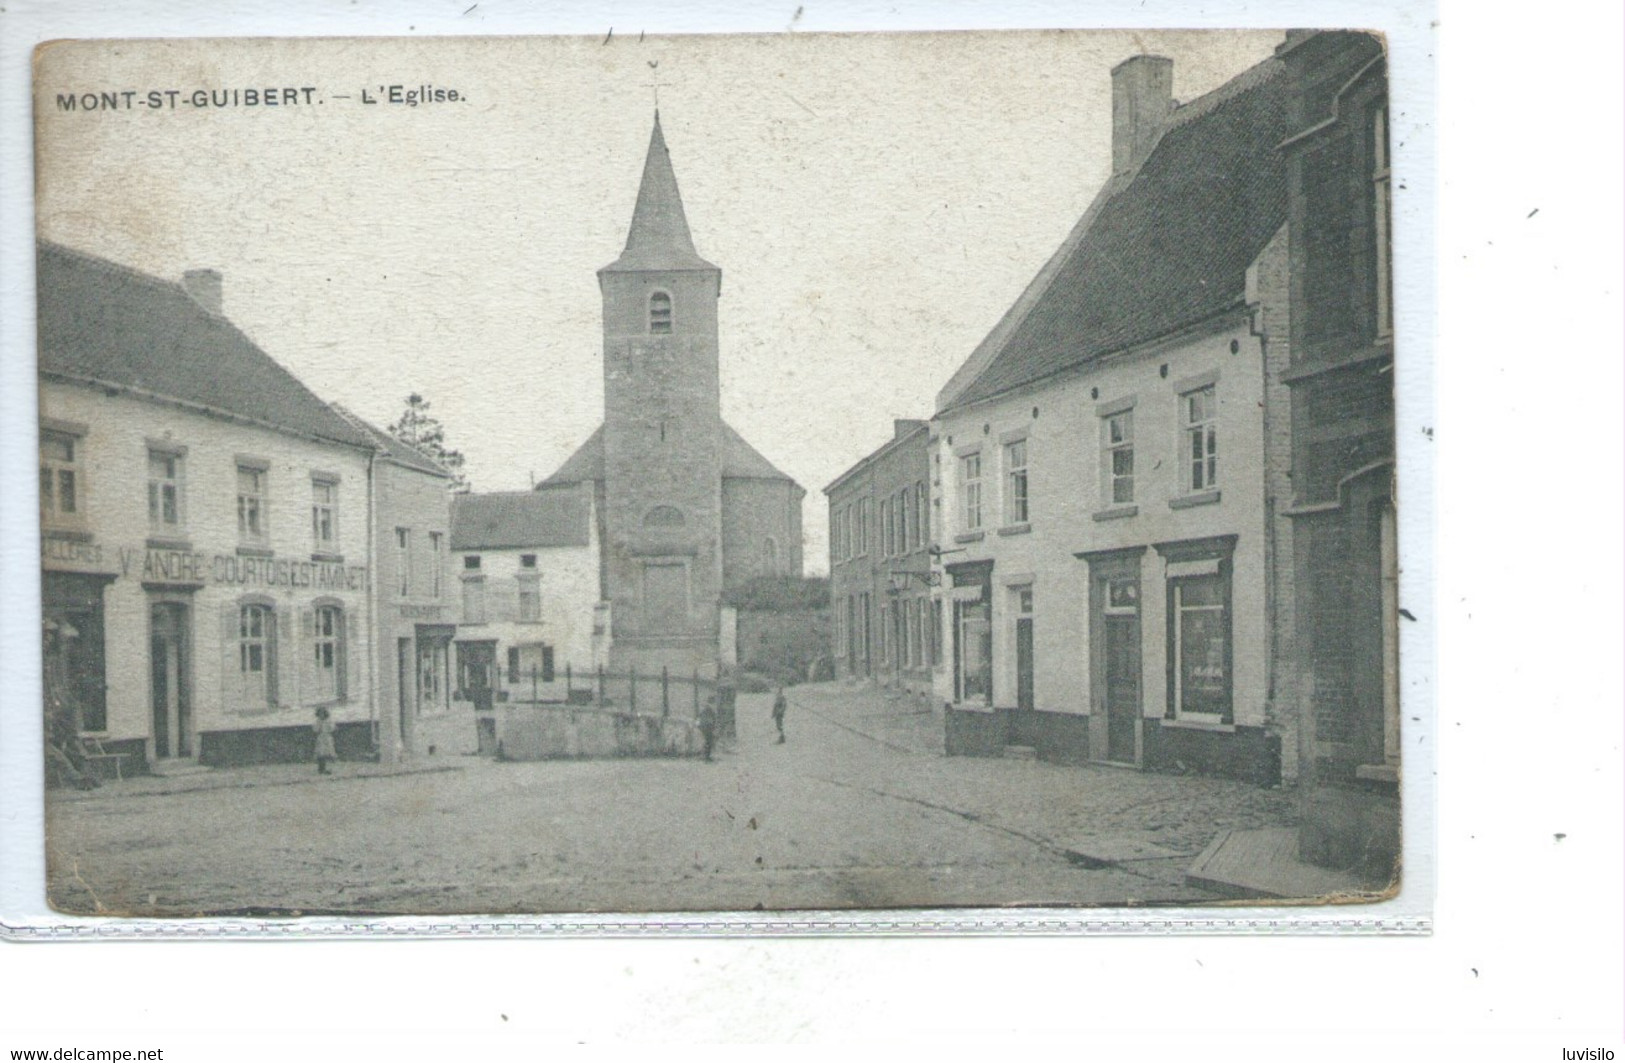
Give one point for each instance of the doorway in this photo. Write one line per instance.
(1122, 653)
(1024, 648)
(169, 624)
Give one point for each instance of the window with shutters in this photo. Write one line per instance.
(660, 313)
(327, 647)
(256, 655)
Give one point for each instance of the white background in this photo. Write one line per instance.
(1526, 958)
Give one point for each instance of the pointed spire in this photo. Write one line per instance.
(659, 238)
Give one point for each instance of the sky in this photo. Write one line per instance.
(875, 202)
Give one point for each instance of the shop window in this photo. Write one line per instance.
(166, 510)
(1201, 430)
(1118, 429)
(61, 480)
(975, 652)
(324, 515)
(1015, 482)
(434, 694)
(970, 490)
(1199, 646)
(659, 313)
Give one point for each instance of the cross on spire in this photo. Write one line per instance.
(654, 83)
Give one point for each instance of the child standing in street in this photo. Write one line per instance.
(779, 705)
(324, 741)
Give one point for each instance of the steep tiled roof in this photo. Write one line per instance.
(395, 450)
(498, 520)
(104, 323)
(659, 238)
(1167, 249)
(740, 461)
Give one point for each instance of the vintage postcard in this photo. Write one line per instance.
(731, 474)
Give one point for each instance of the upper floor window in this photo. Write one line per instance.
(471, 562)
(1381, 211)
(970, 490)
(473, 599)
(770, 556)
(888, 526)
(527, 561)
(1118, 431)
(251, 502)
(905, 511)
(530, 598)
(1015, 482)
(165, 499)
(60, 481)
(1201, 431)
(324, 515)
(922, 514)
(436, 560)
(403, 561)
(659, 313)
(863, 526)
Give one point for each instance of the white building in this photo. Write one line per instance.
(204, 528)
(1105, 464)
(533, 612)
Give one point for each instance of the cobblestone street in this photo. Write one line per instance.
(859, 809)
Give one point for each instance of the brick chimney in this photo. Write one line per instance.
(1142, 97)
(203, 285)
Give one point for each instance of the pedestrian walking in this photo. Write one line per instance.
(324, 741)
(708, 725)
(779, 705)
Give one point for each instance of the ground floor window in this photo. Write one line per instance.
(936, 632)
(1199, 621)
(530, 663)
(975, 629)
(433, 664)
(75, 657)
(327, 646)
(256, 655)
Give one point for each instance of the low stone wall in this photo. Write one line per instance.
(551, 732)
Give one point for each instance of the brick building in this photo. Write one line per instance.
(684, 507)
(205, 555)
(882, 620)
(1342, 635)
(1102, 460)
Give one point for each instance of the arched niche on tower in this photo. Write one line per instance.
(664, 517)
(660, 312)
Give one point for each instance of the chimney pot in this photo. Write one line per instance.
(204, 286)
(1142, 98)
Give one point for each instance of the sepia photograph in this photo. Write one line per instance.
(720, 474)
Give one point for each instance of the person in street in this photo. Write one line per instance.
(779, 706)
(324, 741)
(708, 725)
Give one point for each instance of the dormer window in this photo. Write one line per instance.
(659, 314)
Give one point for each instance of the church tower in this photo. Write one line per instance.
(663, 437)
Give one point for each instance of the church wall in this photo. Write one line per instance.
(754, 512)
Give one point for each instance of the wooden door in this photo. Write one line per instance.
(169, 681)
(1024, 663)
(1122, 686)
